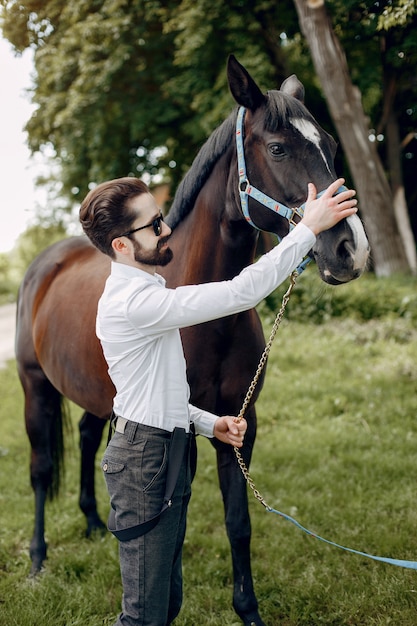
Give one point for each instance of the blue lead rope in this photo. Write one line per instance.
(246, 191)
(245, 471)
(397, 562)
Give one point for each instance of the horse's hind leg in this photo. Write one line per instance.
(235, 498)
(44, 428)
(91, 431)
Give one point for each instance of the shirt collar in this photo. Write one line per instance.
(121, 270)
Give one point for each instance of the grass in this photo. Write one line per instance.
(336, 449)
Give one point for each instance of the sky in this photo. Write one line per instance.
(18, 196)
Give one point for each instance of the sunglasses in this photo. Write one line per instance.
(156, 225)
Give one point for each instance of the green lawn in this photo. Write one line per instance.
(336, 449)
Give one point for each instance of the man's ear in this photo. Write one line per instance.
(120, 246)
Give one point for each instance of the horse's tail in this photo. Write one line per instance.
(59, 425)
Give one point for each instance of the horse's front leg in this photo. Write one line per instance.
(91, 431)
(238, 526)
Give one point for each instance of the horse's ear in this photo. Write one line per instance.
(293, 87)
(244, 89)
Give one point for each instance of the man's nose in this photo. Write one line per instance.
(165, 229)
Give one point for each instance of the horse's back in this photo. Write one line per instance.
(55, 326)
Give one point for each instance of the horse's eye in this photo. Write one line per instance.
(276, 149)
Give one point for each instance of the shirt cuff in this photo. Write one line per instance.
(203, 421)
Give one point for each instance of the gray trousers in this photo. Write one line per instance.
(135, 466)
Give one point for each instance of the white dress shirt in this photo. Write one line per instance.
(138, 322)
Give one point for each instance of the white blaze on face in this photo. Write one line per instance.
(361, 244)
(310, 132)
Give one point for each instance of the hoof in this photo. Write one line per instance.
(253, 620)
(38, 557)
(37, 567)
(95, 526)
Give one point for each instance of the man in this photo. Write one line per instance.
(138, 322)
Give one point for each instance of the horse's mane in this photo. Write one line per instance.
(279, 109)
(193, 181)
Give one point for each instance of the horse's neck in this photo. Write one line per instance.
(209, 246)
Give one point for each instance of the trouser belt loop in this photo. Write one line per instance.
(129, 428)
(120, 424)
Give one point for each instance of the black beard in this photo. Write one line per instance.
(154, 257)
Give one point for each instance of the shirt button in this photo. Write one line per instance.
(105, 466)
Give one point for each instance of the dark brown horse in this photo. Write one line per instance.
(57, 351)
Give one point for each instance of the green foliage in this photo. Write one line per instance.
(14, 264)
(7, 286)
(397, 14)
(136, 87)
(117, 80)
(32, 241)
(365, 299)
(381, 49)
(336, 449)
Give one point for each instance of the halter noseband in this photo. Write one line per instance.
(246, 190)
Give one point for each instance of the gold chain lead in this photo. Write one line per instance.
(254, 382)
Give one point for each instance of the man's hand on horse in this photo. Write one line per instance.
(324, 212)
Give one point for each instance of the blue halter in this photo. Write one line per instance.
(246, 190)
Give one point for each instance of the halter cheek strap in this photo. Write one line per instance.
(246, 190)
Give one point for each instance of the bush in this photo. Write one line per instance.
(364, 299)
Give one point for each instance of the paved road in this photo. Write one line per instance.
(7, 332)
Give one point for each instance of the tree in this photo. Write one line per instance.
(93, 60)
(385, 33)
(116, 81)
(135, 87)
(398, 71)
(346, 108)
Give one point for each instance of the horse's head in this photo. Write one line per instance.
(284, 149)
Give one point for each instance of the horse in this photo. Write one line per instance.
(215, 225)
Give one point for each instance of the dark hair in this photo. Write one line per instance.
(104, 213)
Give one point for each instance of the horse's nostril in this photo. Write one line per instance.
(345, 250)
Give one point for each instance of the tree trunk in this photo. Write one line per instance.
(344, 101)
(397, 189)
(389, 126)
